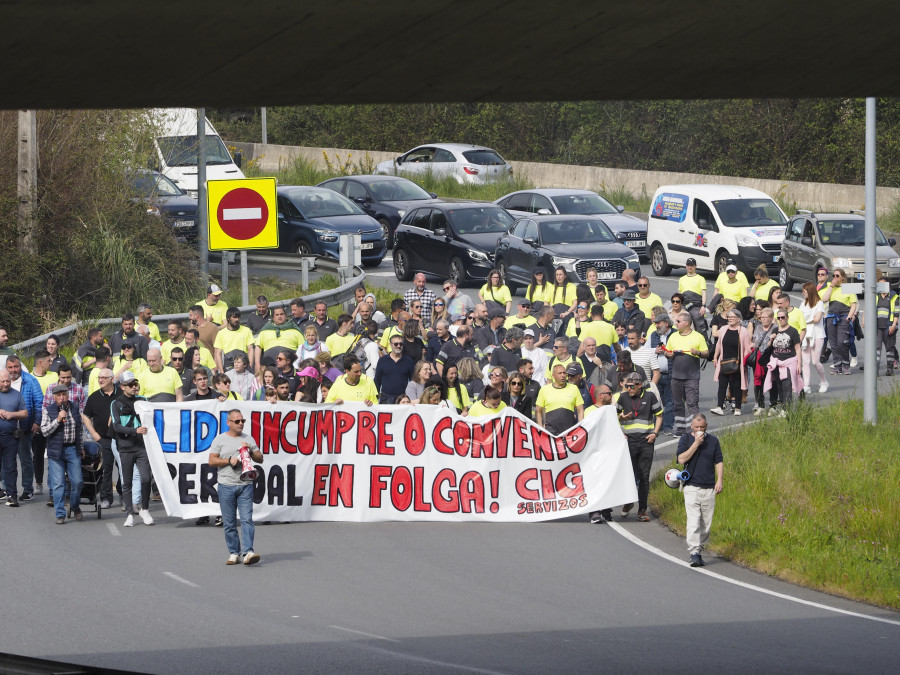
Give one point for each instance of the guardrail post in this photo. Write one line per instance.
(304, 274)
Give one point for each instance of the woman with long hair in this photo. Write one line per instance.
(783, 369)
(563, 294)
(439, 312)
(420, 379)
(311, 346)
(763, 287)
(732, 349)
(538, 289)
(471, 377)
(492, 404)
(495, 294)
(266, 378)
(222, 384)
(457, 394)
(813, 310)
(518, 399)
(413, 346)
(308, 387)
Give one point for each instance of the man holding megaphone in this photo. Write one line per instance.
(231, 453)
(701, 455)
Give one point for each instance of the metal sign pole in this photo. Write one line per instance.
(203, 224)
(870, 395)
(245, 290)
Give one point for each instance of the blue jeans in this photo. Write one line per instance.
(234, 500)
(27, 463)
(69, 462)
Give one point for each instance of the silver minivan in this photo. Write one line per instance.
(832, 240)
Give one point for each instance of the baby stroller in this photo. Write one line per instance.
(92, 475)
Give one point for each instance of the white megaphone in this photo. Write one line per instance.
(675, 477)
(248, 473)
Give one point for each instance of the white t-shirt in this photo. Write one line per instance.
(814, 331)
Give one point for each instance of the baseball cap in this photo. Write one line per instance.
(60, 388)
(731, 268)
(574, 369)
(457, 317)
(127, 343)
(309, 371)
(214, 289)
(691, 261)
(528, 332)
(663, 317)
(525, 302)
(633, 377)
(127, 377)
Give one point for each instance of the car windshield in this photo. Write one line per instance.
(847, 233)
(182, 150)
(154, 185)
(323, 203)
(575, 232)
(485, 220)
(749, 212)
(483, 157)
(582, 204)
(397, 191)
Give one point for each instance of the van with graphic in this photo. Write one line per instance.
(714, 224)
(175, 149)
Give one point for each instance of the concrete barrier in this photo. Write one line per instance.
(815, 196)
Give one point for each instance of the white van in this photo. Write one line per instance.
(714, 223)
(176, 149)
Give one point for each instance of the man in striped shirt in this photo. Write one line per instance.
(643, 356)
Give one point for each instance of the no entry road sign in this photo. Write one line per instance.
(242, 214)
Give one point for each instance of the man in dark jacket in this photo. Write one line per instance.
(129, 435)
(61, 426)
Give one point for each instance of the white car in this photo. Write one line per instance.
(472, 164)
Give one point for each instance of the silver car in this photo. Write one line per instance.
(629, 230)
(468, 164)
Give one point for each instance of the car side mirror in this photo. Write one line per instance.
(892, 241)
(280, 217)
(806, 241)
(399, 160)
(238, 158)
(360, 200)
(543, 212)
(530, 241)
(440, 232)
(433, 195)
(620, 208)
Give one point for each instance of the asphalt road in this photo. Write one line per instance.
(564, 596)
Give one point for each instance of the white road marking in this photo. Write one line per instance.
(359, 632)
(180, 580)
(113, 530)
(682, 563)
(241, 214)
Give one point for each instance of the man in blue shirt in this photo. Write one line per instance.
(701, 455)
(12, 411)
(31, 392)
(393, 372)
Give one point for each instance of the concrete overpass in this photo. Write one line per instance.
(108, 53)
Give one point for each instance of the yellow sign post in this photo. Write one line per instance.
(243, 214)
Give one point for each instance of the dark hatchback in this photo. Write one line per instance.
(386, 198)
(576, 243)
(449, 239)
(311, 220)
(161, 197)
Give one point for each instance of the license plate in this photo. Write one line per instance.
(636, 243)
(860, 276)
(606, 275)
(180, 224)
(367, 247)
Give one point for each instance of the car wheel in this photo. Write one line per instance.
(784, 279)
(658, 262)
(457, 271)
(401, 265)
(303, 248)
(388, 235)
(504, 274)
(721, 262)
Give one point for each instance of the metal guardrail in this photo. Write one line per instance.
(334, 296)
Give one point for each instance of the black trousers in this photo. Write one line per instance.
(641, 451)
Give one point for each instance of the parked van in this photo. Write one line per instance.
(176, 149)
(714, 224)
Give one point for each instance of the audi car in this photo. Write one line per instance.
(312, 219)
(629, 230)
(575, 243)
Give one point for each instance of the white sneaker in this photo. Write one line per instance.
(807, 390)
(38, 489)
(251, 558)
(146, 517)
(129, 521)
(823, 387)
(105, 504)
(757, 412)
(782, 413)
(233, 559)
(853, 362)
(717, 411)
(737, 412)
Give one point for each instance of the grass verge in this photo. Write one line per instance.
(811, 499)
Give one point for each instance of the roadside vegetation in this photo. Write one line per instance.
(811, 499)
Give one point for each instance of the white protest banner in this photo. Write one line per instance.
(356, 463)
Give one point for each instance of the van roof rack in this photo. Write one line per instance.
(806, 211)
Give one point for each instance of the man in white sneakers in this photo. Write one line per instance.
(235, 494)
(129, 435)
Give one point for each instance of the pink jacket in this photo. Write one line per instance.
(745, 346)
(787, 367)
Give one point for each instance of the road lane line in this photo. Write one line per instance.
(359, 632)
(662, 554)
(180, 580)
(113, 530)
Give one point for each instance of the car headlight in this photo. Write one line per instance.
(563, 262)
(840, 262)
(401, 213)
(326, 235)
(478, 255)
(746, 240)
(634, 257)
(153, 210)
(894, 262)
